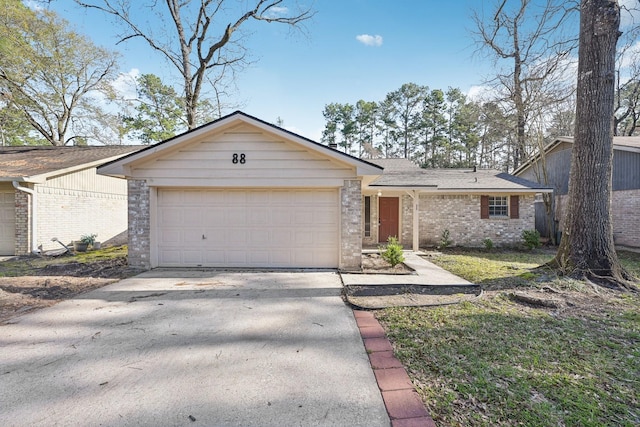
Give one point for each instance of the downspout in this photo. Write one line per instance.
(34, 215)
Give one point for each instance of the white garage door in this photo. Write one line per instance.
(7, 223)
(248, 228)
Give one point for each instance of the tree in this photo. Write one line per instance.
(587, 249)
(406, 103)
(54, 76)
(366, 118)
(433, 125)
(331, 114)
(530, 39)
(203, 45)
(159, 111)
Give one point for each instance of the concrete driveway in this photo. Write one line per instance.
(189, 348)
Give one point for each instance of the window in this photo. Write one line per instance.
(498, 206)
(367, 216)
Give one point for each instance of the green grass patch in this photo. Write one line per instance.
(25, 266)
(507, 269)
(497, 363)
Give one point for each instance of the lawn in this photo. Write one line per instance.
(497, 362)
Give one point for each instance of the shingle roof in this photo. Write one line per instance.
(404, 173)
(29, 161)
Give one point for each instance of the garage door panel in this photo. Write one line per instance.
(248, 228)
(171, 217)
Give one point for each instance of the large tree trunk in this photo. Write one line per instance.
(587, 249)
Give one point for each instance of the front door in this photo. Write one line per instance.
(388, 215)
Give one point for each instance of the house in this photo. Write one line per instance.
(552, 165)
(240, 192)
(473, 205)
(54, 192)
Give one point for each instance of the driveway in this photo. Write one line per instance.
(174, 348)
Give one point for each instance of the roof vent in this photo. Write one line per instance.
(474, 168)
(333, 145)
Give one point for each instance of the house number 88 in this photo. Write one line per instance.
(239, 158)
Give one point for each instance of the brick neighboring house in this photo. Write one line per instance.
(48, 192)
(241, 192)
(554, 163)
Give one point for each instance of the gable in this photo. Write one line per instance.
(241, 155)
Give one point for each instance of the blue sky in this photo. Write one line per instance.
(295, 75)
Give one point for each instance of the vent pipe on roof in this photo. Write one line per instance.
(34, 215)
(474, 168)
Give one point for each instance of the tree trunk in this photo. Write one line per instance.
(587, 250)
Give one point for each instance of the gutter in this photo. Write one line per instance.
(34, 215)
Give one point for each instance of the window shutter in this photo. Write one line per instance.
(514, 208)
(484, 207)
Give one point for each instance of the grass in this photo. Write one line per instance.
(495, 362)
(25, 266)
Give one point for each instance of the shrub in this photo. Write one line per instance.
(445, 240)
(488, 244)
(392, 253)
(531, 239)
(89, 239)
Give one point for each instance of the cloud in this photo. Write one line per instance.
(125, 84)
(277, 11)
(369, 40)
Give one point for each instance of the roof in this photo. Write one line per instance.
(621, 143)
(116, 167)
(37, 163)
(402, 173)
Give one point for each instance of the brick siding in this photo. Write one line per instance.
(23, 231)
(460, 214)
(351, 225)
(625, 215)
(139, 224)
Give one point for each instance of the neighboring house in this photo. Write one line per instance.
(554, 163)
(240, 192)
(54, 192)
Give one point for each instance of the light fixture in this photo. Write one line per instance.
(379, 193)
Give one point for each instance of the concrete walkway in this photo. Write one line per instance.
(189, 348)
(427, 273)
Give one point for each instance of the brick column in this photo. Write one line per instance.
(351, 225)
(139, 224)
(23, 230)
(406, 233)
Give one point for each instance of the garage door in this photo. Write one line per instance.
(248, 228)
(7, 223)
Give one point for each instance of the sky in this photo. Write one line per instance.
(349, 50)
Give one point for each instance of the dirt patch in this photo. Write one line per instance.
(46, 284)
(375, 264)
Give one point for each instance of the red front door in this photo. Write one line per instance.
(388, 213)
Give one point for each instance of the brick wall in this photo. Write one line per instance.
(68, 214)
(23, 231)
(351, 225)
(139, 224)
(625, 215)
(460, 214)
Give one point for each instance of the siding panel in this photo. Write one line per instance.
(211, 159)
